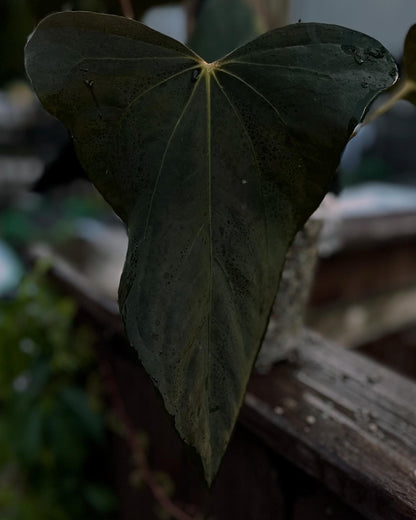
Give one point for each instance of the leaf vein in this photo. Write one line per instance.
(137, 98)
(253, 151)
(190, 248)
(283, 48)
(143, 58)
(248, 85)
(162, 164)
(209, 130)
(278, 66)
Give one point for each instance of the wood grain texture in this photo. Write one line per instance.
(345, 420)
(338, 416)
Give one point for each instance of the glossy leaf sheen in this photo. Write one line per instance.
(213, 167)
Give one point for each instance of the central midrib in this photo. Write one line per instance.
(208, 350)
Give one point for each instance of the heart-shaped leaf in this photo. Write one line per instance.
(213, 167)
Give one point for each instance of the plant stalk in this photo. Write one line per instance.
(127, 8)
(135, 445)
(400, 93)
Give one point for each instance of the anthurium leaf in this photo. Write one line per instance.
(213, 167)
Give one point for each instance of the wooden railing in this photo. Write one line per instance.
(328, 434)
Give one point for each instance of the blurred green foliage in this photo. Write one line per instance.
(371, 169)
(40, 8)
(52, 218)
(52, 431)
(16, 22)
(235, 22)
(19, 17)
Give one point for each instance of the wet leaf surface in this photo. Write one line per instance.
(213, 168)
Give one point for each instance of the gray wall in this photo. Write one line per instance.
(385, 20)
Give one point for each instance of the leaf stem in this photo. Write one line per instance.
(400, 93)
(127, 8)
(135, 445)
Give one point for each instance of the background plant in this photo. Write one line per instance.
(52, 428)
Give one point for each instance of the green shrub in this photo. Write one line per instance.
(52, 430)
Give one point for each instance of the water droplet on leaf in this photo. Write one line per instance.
(376, 52)
(195, 75)
(358, 58)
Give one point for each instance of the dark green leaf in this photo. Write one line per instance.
(213, 167)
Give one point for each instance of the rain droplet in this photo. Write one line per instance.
(372, 379)
(358, 58)
(377, 52)
(195, 75)
(356, 53)
(348, 49)
(290, 403)
(364, 84)
(373, 427)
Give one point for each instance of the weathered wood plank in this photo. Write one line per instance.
(358, 322)
(345, 420)
(397, 351)
(338, 416)
(367, 232)
(360, 243)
